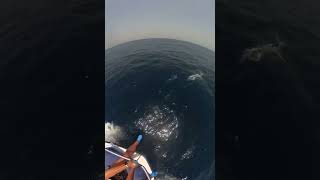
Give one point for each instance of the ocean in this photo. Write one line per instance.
(163, 89)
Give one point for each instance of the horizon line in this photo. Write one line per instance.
(107, 48)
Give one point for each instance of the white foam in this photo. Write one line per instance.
(160, 122)
(195, 76)
(167, 177)
(113, 133)
(188, 154)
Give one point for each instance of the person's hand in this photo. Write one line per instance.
(132, 164)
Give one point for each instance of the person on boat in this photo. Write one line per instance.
(121, 164)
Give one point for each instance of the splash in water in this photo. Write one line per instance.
(113, 133)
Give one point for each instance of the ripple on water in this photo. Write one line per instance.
(160, 122)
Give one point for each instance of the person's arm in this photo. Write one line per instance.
(130, 174)
(132, 165)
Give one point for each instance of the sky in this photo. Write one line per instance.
(187, 20)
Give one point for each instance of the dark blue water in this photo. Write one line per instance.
(163, 89)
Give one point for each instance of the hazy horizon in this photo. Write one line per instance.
(190, 20)
(160, 39)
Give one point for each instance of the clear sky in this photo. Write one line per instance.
(188, 20)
